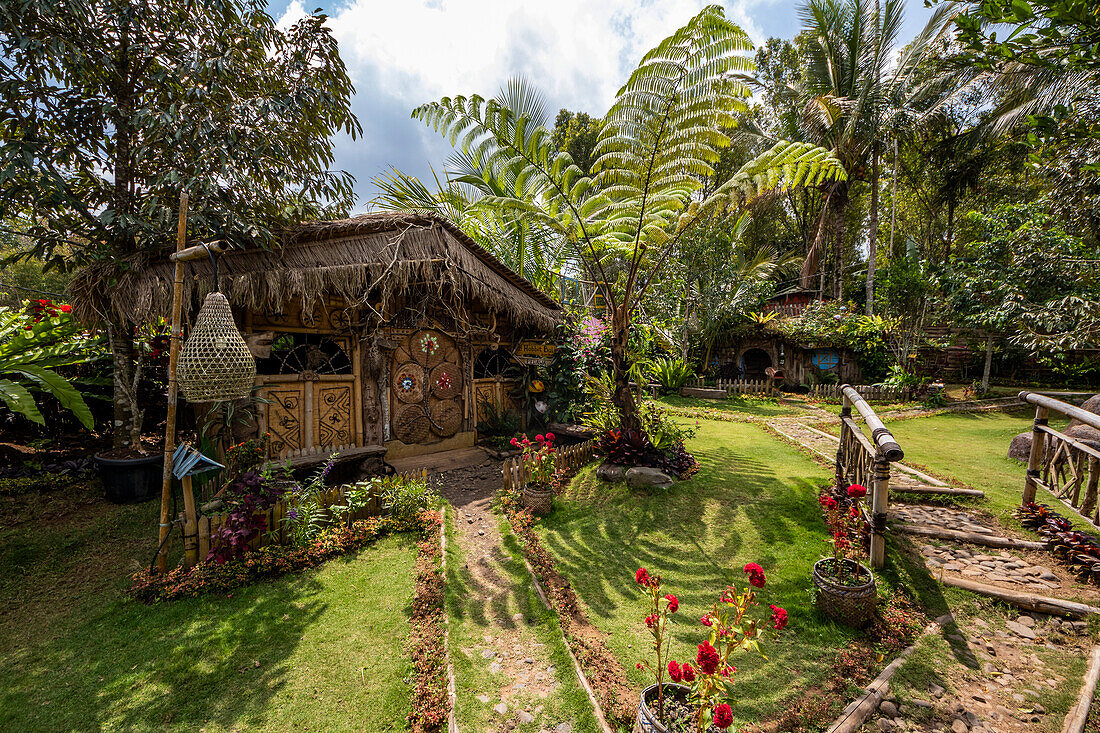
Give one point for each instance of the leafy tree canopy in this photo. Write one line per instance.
(108, 108)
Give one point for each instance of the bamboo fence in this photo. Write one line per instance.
(276, 533)
(569, 458)
(877, 392)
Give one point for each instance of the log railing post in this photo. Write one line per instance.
(841, 451)
(1035, 458)
(880, 498)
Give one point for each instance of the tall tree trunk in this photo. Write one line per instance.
(126, 374)
(950, 233)
(988, 362)
(872, 238)
(894, 198)
(840, 205)
(684, 337)
(623, 396)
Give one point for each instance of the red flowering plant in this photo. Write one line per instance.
(710, 679)
(845, 521)
(657, 623)
(538, 459)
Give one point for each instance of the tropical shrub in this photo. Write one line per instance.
(498, 425)
(670, 373)
(33, 345)
(248, 497)
(1077, 550)
(710, 679)
(406, 499)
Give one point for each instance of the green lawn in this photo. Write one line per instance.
(318, 651)
(744, 406)
(753, 501)
(971, 448)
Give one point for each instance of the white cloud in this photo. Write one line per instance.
(577, 51)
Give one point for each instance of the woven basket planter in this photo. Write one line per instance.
(851, 605)
(539, 499)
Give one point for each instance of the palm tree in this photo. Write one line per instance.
(852, 96)
(473, 179)
(658, 144)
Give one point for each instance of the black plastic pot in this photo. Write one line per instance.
(130, 480)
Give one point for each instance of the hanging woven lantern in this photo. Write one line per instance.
(215, 364)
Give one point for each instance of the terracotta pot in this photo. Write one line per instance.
(852, 604)
(647, 717)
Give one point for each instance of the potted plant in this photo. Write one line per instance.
(540, 476)
(844, 589)
(697, 698)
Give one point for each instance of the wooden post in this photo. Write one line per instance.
(1035, 458)
(173, 359)
(879, 507)
(841, 459)
(190, 525)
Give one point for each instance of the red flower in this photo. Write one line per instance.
(638, 665)
(723, 715)
(687, 672)
(641, 577)
(706, 620)
(828, 502)
(707, 658)
(675, 672)
(779, 617)
(540, 438)
(857, 491)
(651, 620)
(673, 603)
(756, 574)
(66, 309)
(550, 438)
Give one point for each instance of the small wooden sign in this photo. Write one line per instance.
(530, 351)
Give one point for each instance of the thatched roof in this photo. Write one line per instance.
(349, 258)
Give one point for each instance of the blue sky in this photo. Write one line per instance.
(402, 53)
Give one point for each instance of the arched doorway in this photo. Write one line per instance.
(754, 362)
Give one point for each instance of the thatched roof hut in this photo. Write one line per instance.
(383, 333)
(353, 259)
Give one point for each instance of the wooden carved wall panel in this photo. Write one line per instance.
(284, 418)
(334, 425)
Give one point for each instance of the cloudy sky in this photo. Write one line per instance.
(402, 53)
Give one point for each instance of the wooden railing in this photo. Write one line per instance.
(1066, 467)
(569, 458)
(866, 461)
(199, 539)
(734, 386)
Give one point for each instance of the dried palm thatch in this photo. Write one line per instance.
(371, 255)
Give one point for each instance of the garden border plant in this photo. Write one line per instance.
(427, 646)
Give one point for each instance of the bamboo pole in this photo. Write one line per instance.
(973, 538)
(1075, 721)
(173, 359)
(1027, 601)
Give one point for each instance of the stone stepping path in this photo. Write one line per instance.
(940, 516)
(514, 682)
(1000, 568)
(998, 672)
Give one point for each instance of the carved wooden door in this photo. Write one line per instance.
(426, 385)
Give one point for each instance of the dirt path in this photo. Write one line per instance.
(508, 670)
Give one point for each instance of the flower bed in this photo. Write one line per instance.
(427, 646)
(266, 562)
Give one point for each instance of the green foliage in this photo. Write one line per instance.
(1023, 276)
(671, 374)
(406, 499)
(498, 426)
(32, 347)
(576, 133)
